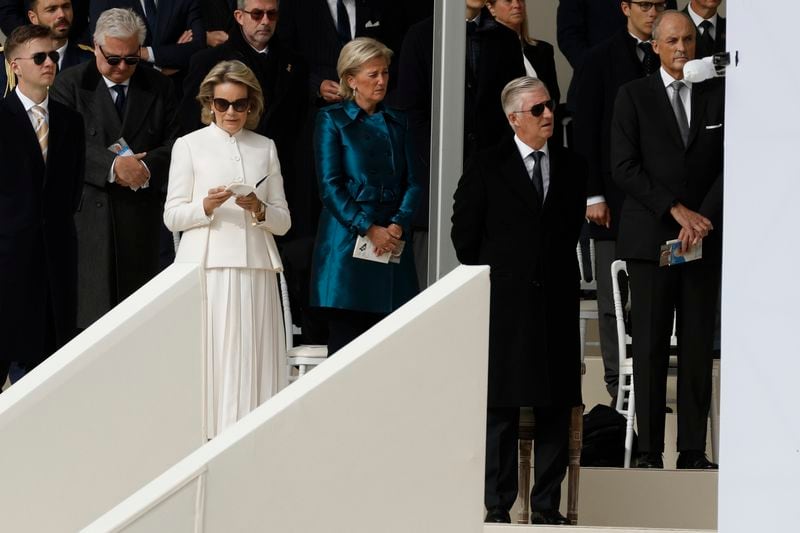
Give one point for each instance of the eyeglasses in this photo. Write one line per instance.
(240, 106)
(39, 57)
(647, 6)
(116, 60)
(257, 14)
(538, 109)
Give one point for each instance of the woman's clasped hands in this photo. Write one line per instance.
(385, 239)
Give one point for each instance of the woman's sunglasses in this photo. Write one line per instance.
(116, 60)
(240, 106)
(39, 57)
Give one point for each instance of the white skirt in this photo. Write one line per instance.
(245, 346)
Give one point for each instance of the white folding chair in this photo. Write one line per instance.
(305, 356)
(625, 390)
(588, 307)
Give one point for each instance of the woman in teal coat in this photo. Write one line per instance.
(368, 188)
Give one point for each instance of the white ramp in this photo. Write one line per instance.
(107, 413)
(387, 435)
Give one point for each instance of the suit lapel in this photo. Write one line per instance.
(22, 124)
(100, 101)
(140, 99)
(661, 99)
(699, 102)
(363, 16)
(516, 175)
(57, 134)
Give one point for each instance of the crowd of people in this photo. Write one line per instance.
(295, 136)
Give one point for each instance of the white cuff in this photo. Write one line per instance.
(592, 200)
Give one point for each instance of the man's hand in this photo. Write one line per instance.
(129, 171)
(694, 226)
(329, 91)
(216, 197)
(599, 214)
(216, 38)
(186, 37)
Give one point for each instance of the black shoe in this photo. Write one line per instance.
(649, 460)
(695, 460)
(498, 515)
(551, 517)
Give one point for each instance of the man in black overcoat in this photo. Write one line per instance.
(711, 26)
(41, 171)
(121, 217)
(667, 157)
(519, 208)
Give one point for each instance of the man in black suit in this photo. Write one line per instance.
(667, 157)
(13, 14)
(711, 26)
(41, 169)
(582, 24)
(625, 56)
(119, 224)
(175, 30)
(218, 20)
(494, 57)
(518, 208)
(57, 15)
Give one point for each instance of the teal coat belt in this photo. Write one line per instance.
(366, 176)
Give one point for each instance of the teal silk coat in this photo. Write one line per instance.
(366, 176)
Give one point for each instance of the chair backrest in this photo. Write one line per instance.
(623, 339)
(588, 282)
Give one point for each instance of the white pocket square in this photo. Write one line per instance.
(371, 24)
(715, 126)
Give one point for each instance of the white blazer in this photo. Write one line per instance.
(209, 158)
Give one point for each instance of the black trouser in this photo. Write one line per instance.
(345, 325)
(690, 290)
(550, 457)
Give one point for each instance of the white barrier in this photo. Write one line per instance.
(108, 412)
(387, 435)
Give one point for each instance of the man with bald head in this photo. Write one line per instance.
(667, 157)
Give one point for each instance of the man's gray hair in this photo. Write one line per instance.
(513, 91)
(240, 4)
(660, 17)
(120, 24)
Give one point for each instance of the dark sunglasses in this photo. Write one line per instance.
(257, 14)
(116, 60)
(240, 106)
(39, 57)
(647, 6)
(538, 109)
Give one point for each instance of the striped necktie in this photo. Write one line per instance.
(42, 129)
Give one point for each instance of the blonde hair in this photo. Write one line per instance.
(524, 31)
(231, 72)
(353, 56)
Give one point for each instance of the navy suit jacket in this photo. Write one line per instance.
(174, 17)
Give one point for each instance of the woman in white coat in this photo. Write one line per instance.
(226, 196)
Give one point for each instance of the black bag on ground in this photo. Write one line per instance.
(604, 437)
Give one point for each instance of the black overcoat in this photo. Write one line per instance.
(38, 248)
(534, 345)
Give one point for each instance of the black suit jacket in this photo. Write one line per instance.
(719, 38)
(534, 347)
(308, 27)
(654, 169)
(217, 14)
(118, 228)
(38, 247)
(604, 70)
(13, 13)
(174, 17)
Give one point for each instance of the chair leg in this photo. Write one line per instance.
(575, 444)
(524, 481)
(629, 416)
(715, 413)
(583, 338)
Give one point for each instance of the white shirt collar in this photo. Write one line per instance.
(476, 20)
(110, 83)
(27, 103)
(697, 19)
(61, 51)
(638, 41)
(667, 79)
(525, 150)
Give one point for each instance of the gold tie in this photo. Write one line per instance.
(41, 128)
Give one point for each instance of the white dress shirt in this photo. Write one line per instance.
(525, 151)
(697, 19)
(350, 6)
(686, 94)
(111, 176)
(61, 51)
(27, 103)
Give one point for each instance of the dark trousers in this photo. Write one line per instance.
(550, 457)
(689, 290)
(345, 325)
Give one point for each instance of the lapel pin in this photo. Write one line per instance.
(289, 67)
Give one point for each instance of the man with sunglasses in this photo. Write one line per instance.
(41, 169)
(625, 56)
(519, 208)
(119, 224)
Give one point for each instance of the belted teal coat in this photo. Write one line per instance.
(366, 176)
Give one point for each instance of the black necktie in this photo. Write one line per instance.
(119, 103)
(705, 44)
(680, 110)
(650, 61)
(536, 175)
(152, 18)
(342, 23)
